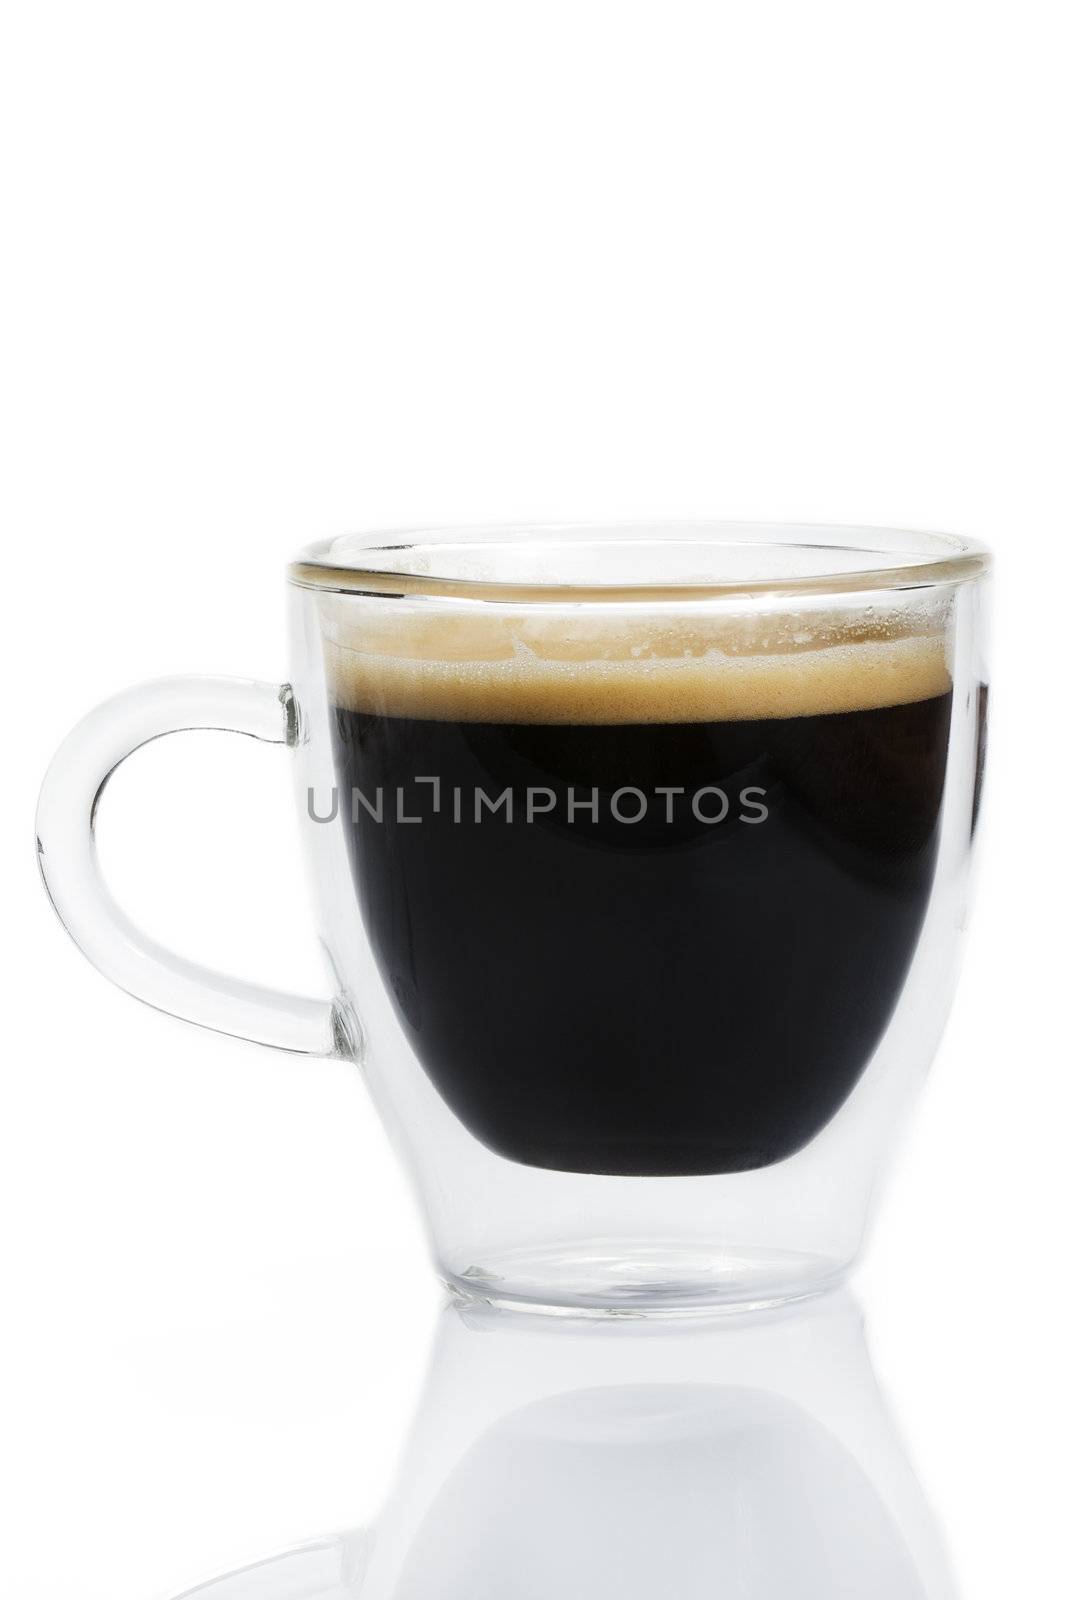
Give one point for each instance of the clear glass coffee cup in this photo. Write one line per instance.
(641, 857)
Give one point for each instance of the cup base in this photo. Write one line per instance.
(598, 1279)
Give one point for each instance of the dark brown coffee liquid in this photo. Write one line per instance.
(690, 988)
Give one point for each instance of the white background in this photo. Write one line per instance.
(277, 271)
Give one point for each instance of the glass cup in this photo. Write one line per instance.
(641, 859)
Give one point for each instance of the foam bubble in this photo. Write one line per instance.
(531, 668)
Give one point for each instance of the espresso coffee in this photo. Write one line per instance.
(646, 911)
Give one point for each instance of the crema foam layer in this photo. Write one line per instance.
(529, 669)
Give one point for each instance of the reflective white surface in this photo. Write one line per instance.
(748, 1458)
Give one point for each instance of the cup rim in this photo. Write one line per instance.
(838, 559)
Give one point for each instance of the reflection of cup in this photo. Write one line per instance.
(752, 1459)
(616, 1492)
(641, 858)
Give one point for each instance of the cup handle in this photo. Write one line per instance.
(66, 850)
